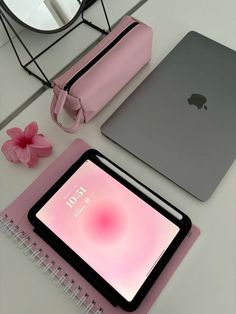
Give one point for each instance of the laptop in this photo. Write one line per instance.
(181, 120)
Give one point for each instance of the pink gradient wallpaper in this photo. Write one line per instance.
(119, 235)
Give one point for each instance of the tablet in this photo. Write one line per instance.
(112, 229)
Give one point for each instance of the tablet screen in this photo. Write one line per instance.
(113, 230)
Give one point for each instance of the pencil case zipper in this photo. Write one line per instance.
(101, 54)
(97, 77)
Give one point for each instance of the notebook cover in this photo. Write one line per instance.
(14, 221)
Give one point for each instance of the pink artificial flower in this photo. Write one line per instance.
(26, 146)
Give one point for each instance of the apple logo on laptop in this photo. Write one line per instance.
(198, 100)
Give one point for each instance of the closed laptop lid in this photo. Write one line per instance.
(182, 119)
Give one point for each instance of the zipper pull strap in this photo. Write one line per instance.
(75, 126)
(57, 106)
(60, 101)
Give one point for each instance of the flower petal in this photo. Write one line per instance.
(42, 152)
(40, 141)
(23, 154)
(30, 130)
(15, 133)
(41, 146)
(33, 160)
(27, 157)
(9, 150)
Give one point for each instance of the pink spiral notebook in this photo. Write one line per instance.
(14, 222)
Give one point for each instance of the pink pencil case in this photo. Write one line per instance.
(96, 78)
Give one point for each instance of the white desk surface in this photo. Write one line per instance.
(205, 282)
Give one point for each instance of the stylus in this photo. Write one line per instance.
(141, 188)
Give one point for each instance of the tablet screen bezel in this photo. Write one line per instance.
(78, 263)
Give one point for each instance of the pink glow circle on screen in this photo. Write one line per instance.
(119, 235)
(105, 223)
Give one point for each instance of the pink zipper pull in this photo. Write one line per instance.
(60, 101)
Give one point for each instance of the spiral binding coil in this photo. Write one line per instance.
(49, 267)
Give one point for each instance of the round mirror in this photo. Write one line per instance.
(45, 16)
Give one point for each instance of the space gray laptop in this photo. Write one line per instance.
(181, 120)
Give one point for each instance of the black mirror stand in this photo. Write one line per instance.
(33, 59)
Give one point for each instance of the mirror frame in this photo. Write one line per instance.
(83, 6)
